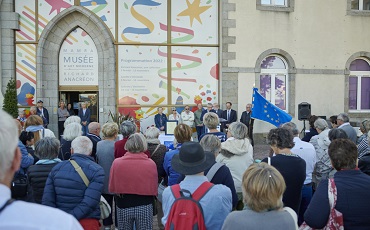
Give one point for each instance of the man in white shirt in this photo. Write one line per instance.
(187, 116)
(307, 152)
(20, 214)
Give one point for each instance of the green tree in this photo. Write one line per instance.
(10, 103)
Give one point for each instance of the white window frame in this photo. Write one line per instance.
(359, 75)
(273, 3)
(277, 72)
(360, 6)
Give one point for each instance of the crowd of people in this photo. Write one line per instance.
(212, 182)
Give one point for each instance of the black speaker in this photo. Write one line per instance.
(304, 111)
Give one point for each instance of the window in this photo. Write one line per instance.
(360, 4)
(274, 2)
(274, 80)
(359, 85)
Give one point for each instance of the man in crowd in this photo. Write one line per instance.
(248, 121)
(43, 113)
(34, 216)
(216, 108)
(229, 115)
(85, 115)
(94, 136)
(160, 119)
(75, 186)
(343, 123)
(209, 109)
(187, 117)
(307, 152)
(192, 161)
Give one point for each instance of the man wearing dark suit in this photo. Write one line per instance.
(216, 108)
(94, 136)
(248, 121)
(229, 115)
(43, 113)
(209, 109)
(160, 119)
(85, 114)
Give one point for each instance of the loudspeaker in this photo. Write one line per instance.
(304, 111)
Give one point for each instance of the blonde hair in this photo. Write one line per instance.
(34, 120)
(263, 187)
(183, 133)
(211, 120)
(109, 129)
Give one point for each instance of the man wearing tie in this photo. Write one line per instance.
(248, 121)
(229, 115)
(216, 108)
(84, 114)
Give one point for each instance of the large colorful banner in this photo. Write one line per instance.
(78, 60)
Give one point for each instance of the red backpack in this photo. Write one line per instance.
(186, 212)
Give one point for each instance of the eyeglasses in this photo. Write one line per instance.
(186, 109)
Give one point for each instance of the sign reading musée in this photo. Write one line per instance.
(78, 61)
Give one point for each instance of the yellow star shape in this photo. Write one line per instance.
(194, 11)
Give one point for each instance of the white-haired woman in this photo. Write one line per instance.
(71, 131)
(105, 158)
(237, 154)
(134, 180)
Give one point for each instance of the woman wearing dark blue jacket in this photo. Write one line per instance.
(66, 190)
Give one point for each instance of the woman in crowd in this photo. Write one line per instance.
(363, 146)
(174, 116)
(34, 124)
(333, 121)
(157, 152)
(263, 187)
(337, 134)
(187, 117)
(290, 165)
(134, 187)
(28, 140)
(71, 131)
(237, 155)
(182, 134)
(127, 128)
(62, 116)
(72, 119)
(105, 158)
(321, 143)
(364, 161)
(352, 188)
(313, 131)
(46, 150)
(197, 122)
(211, 121)
(70, 109)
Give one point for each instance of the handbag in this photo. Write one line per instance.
(105, 209)
(19, 186)
(335, 221)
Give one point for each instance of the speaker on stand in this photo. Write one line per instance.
(304, 112)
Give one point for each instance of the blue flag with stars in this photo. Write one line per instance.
(266, 111)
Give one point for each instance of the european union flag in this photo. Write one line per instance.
(266, 111)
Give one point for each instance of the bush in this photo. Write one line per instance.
(10, 104)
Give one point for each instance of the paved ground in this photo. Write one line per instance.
(260, 152)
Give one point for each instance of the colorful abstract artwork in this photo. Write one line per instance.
(26, 74)
(26, 11)
(48, 9)
(105, 10)
(142, 21)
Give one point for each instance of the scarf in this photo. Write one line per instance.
(34, 128)
(48, 161)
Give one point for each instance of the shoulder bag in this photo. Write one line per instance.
(105, 209)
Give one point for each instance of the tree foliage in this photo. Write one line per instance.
(10, 104)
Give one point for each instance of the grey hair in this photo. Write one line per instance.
(109, 129)
(20, 112)
(238, 130)
(127, 128)
(152, 133)
(93, 126)
(211, 120)
(72, 131)
(82, 145)
(211, 143)
(320, 124)
(72, 119)
(344, 117)
(47, 148)
(8, 142)
(136, 143)
(292, 127)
